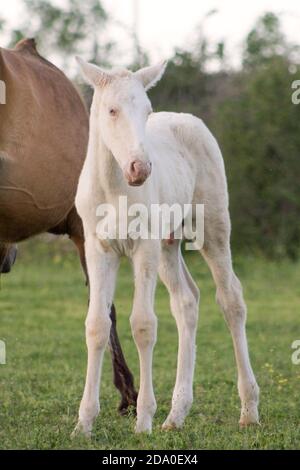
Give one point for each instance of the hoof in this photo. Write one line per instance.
(81, 431)
(173, 422)
(247, 423)
(171, 426)
(249, 418)
(143, 429)
(166, 426)
(144, 426)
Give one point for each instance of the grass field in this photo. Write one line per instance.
(42, 308)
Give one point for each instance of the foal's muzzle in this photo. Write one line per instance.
(136, 172)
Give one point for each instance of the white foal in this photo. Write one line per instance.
(162, 158)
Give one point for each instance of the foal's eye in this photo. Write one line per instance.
(113, 112)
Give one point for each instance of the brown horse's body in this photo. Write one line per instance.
(43, 139)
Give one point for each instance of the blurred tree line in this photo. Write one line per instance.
(249, 110)
(251, 113)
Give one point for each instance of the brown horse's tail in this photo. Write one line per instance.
(123, 378)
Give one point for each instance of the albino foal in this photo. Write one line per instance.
(154, 158)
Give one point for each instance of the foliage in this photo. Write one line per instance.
(266, 41)
(257, 126)
(68, 30)
(2, 23)
(259, 133)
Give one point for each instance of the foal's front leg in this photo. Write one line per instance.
(102, 270)
(123, 378)
(144, 325)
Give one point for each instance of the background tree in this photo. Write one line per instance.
(2, 23)
(266, 41)
(259, 133)
(75, 28)
(251, 113)
(258, 128)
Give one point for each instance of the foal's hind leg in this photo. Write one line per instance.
(184, 299)
(217, 253)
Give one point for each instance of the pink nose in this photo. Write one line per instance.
(137, 172)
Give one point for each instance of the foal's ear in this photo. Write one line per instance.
(93, 74)
(149, 76)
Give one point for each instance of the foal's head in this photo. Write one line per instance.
(122, 108)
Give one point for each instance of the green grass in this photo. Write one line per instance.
(43, 304)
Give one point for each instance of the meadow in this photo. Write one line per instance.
(43, 303)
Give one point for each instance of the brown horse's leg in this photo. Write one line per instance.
(123, 378)
(8, 255)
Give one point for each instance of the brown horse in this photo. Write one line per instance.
(43, 140)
